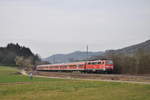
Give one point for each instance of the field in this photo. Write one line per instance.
(14, 86)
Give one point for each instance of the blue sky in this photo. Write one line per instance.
(62, 26)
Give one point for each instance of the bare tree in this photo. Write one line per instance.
(24, 63)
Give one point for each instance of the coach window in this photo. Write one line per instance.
(94, 63)
(102, 62)
(99, 62)
(89, 63)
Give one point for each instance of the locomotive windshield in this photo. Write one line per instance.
(109, 62)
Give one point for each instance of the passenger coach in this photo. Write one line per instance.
(85, 66)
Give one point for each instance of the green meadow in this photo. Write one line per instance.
(14, 86)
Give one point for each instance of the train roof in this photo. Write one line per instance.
(70, 63)
(59, 64)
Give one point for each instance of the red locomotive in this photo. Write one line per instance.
(85, 66)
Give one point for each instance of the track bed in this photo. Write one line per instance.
(139, 78)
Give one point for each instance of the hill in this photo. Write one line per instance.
(130, 50)
(80, 55)
(74, 56)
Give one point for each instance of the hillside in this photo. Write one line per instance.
(130, 50)
(74, 56)
(78, 55)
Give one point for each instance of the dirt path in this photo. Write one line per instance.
(23, 72)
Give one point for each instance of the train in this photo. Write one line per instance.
(105, 66)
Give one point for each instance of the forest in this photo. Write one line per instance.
(136, 63)
(14, 54)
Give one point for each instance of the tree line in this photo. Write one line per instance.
(138, 63)
(135, 63)
(16, 55)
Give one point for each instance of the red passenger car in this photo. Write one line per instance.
(85, 66)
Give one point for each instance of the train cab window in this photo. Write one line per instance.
(109, 62)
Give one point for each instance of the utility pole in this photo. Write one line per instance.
(87, 51)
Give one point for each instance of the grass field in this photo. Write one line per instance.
(9, 75)
(63, 89)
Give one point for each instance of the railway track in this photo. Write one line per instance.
(108, 77)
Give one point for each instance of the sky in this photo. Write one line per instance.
(62, 26)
